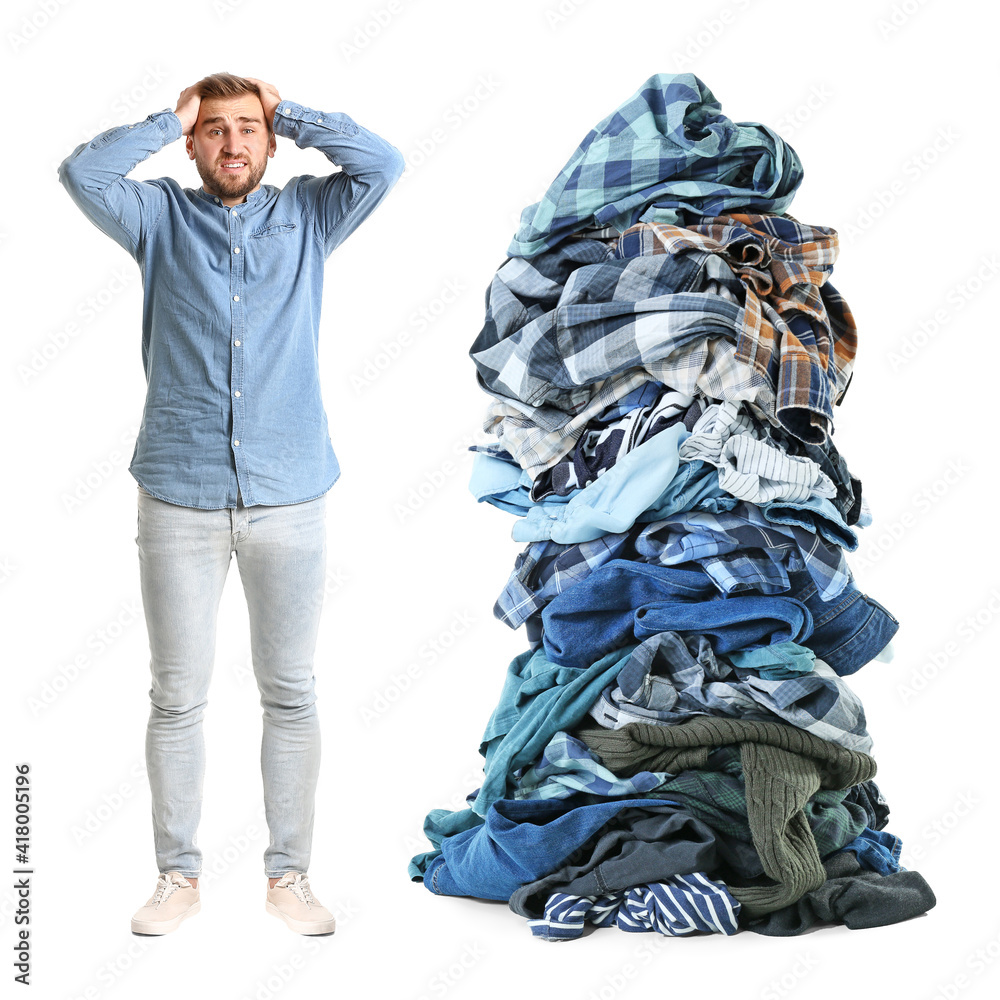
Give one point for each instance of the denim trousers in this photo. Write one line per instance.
(877, 851)
(521, 841)
(623, 601)
(184, 555)
(848, 631)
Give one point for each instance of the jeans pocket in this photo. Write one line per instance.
(881, 607)
(867, 630)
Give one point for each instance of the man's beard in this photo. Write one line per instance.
(231, 185)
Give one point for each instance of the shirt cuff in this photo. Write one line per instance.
(289, 116)
(168, 123)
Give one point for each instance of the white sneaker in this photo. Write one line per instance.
(174, 899)
(293, 901)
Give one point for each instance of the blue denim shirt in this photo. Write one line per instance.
(231, 306)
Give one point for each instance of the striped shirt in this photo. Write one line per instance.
(678, 906)
(750, 468)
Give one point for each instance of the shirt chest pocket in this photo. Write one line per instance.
(271, 229)
(270, 244)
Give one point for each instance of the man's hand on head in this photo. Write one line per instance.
(187, 108)
(269, 99)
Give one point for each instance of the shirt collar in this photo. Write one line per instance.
(251, 198)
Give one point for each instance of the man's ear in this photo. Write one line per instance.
(189, 146)
(272, 144)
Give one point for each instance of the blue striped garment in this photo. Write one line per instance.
(667, 154)
(750, 467)
(679, 906)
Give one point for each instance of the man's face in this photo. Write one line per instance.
(230, 145)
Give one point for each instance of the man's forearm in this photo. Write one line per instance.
(369, 166)
(94, 173)
(359, 152)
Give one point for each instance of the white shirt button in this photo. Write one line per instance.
(236, 249)
(233, 212)
(237, 392)
(236, 444)
(236, 298)
(236, 343)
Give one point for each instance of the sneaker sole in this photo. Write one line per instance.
(303, 926)
(154, 928)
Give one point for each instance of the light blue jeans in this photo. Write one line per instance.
(184, 555)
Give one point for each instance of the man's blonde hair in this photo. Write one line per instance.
(228, 85)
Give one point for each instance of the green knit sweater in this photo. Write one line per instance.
(783, 767)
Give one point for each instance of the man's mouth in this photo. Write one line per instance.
(233, 165)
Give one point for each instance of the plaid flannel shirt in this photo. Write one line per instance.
(665, 682)
(740, 550)
(727, 544)
(559, 323)
(798, 331)
(557, 355)
(667, 154)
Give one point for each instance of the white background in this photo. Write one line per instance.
(892, 109)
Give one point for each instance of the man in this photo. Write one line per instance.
(233, 453)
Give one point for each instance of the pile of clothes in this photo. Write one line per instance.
(678, 749)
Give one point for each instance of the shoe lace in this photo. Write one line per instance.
(165, 885)
(299, 885)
